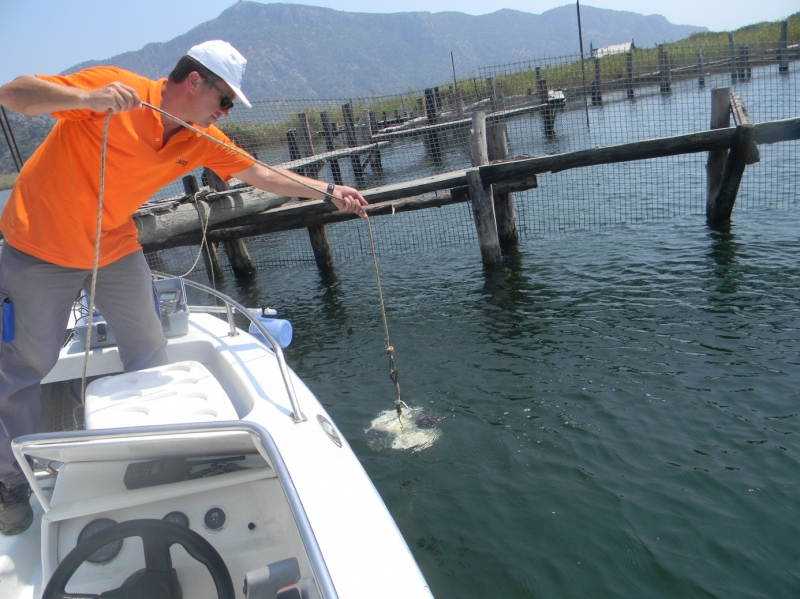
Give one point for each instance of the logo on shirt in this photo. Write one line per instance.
(182, 162)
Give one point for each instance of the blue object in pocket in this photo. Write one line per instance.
(8, 322)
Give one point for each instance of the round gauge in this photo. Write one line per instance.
(106, 553)
(178, 518)
(215, 519)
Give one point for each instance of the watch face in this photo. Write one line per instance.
(106, 553)
(215, 519)
(178, 518)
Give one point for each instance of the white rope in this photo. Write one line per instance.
(98, 231)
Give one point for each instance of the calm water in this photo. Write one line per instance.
(619, 409)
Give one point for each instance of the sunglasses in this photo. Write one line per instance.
(225, 103)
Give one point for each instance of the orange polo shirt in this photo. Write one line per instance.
(52, 210)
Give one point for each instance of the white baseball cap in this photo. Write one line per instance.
(224, 61)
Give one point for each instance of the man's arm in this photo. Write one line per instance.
(30, 95)
(345, 198)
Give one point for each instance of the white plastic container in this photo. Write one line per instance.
(280, 329)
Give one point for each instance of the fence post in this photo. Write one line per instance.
(720, 119)
(783, 51)
(505, 215)
(327, 134)
(432, 137)
(665, 75)
(745, 72)
(701, 71)
(732, 175)
(350, 136)
(597, 96)
(239, 258)
(480, 194)
(629, 74)
(210, 257)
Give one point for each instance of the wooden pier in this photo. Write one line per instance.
(244, 212)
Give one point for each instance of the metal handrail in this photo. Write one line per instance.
(297, 413)
(265, 446)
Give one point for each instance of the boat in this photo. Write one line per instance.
(223, 454)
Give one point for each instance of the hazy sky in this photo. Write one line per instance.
(49, 36)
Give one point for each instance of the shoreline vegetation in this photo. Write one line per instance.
(7, 181)
(514, 79)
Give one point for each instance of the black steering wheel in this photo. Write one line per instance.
(158, 579)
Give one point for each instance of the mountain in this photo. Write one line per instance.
(297, 51)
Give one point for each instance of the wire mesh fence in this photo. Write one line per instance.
(553, 105)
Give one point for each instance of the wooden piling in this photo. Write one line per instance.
(238, 256)
(294, 146)
(432, 137)
(629, 74)
(350, 137)
(720, 119)
(701, 70)
(505, 215)
(328, 136)
(375, 155)
(597, 94)
(320, 247)
(742, 117)
(664, 70)
(722, 207)
(480, 194)
(744, 72)
(733, 59)
(210, 257)
(541, 86)
(783, 50)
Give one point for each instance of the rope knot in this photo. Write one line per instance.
(389, 351)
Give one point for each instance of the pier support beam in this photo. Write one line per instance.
(505, 215)
(719, 211)
(481, 195)
(720, 119)
(238, 256)
(319, 244)
(783, 51)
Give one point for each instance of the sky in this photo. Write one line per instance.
(49, 36)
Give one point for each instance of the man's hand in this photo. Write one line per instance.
(115, 96)
(347, 199)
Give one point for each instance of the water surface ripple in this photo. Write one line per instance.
(619, 409)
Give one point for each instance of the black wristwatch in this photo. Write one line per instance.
(329, 194)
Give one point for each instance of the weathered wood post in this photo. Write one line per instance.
(742, 117)
(437, 96)
(294, 146)
(701, 70)
(493, 100)
(505, 215)
(783, 50)
(375, 160)
(722, 207)
(350, 137)
(541, 86)
(210, 257)
(238, 256)
(745, 72)
(480, 194)
(320, 247)
(328, 136)
(734, 65)
(432, 137)
(304, 134)
(665, 75)
(720, 119)
(597, 94)
(629, 74)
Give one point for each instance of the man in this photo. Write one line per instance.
(49, 222)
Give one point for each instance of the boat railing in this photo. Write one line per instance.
(230, 305)
(60, 443)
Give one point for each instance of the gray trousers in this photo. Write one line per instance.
(42, 295)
